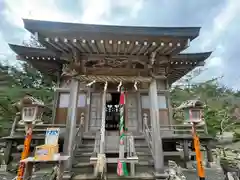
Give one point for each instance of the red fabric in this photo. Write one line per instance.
(122, 99)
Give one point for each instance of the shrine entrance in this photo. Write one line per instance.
(112, 112)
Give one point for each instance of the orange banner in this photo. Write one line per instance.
(200, 168)
(25, 153)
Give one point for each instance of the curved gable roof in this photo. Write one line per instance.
(63, 29)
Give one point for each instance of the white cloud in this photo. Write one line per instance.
(35, 9)
(94, 11)
(134, 6)
(221, 22)
(99, 11)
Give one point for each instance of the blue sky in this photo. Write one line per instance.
(219, 19)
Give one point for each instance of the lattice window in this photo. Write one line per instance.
(195, 114)
(29, 113)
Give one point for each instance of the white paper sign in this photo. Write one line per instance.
(81, 100)
(64, 100)
(52, 136)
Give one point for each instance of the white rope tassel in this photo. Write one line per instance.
(119, 86)
(91, 83)
(135, 85)
(105, 86)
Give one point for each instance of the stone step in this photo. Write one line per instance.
(145, 163)
(84, 150)
(82, 165)
(84, 159)
(140, 145)
(79, 158)
(83, 169)
(144, 168)
(147, 153)
(79, 153)
(114, 176)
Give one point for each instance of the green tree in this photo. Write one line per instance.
(220, 103)
(19, 82)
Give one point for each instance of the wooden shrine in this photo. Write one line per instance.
(90, 62)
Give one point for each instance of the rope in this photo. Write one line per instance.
(118, 79)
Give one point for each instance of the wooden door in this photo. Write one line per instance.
(132, 112)
(95, 112)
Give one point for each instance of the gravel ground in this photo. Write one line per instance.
(211, 174)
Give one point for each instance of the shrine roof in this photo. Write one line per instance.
(74, 30)
(51, 62)
(107, 39)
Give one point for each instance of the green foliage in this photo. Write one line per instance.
(220, 104)
(17, 82)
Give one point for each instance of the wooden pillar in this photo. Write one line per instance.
(170, 111)
(158, 149)
(71, 123)
(87, 117)
(209, 155)
(102, 139)
(186, 154)
(208, 149)
(8, 153)
(139, 115)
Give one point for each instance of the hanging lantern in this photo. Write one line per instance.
(108, 97)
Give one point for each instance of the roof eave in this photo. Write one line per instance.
(184, 32)
(202, 55)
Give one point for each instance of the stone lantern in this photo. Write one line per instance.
(31, 110)
(193, 111)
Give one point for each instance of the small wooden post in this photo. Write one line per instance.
(186, 153)
(8, 152)
(209, 155)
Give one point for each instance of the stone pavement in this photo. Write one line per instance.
(211, 174)
(214, 173)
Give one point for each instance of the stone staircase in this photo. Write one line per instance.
(81, 163)
(144, 156)
(82, 169)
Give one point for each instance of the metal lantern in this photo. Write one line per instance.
(193, 110)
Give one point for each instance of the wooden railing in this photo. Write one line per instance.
(97, 143)
(170, 131)
(148, 133)
(79, 133)
(131, 152)
(183, 129)
(96, 149)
